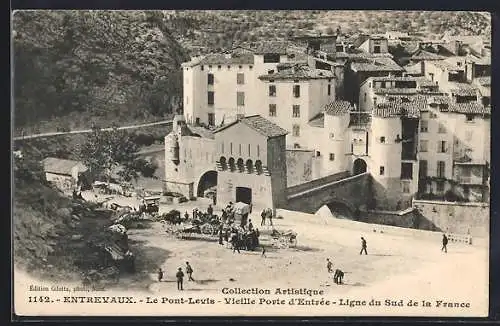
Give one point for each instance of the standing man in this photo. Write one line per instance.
(270, 216)
(329, 265)
(189, 271)
(445, 243)
(363, 246)
(186, 216)
(160, 274)
(263, 216)
(210, 210)
(180, 276)
(250, 225)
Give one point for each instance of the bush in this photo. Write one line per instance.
(144, 139)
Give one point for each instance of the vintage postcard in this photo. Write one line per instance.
(251, 163)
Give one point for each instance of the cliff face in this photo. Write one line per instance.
(101, 64)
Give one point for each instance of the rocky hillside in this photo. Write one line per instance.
(79, 67)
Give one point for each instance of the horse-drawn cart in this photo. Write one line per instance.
(284, 239)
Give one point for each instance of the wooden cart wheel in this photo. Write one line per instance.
(284, 243)
(207, 229)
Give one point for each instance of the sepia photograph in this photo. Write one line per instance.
(250, 163)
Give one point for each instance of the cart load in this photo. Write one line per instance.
(284, 239)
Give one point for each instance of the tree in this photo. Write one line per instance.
(104, 151)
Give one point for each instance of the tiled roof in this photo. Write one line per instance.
(264, 126)
(483, 81)
(259, 124)
(338, 108)
(318, 121)
(424, 82)
(425, 55)
(299, 72)
(202, 132)
(381, 91)
(469, 108)
(224, 59)
(463, 89)
(279, 47)
(400, 105)
(394, 78)
(376, 64)
(60, 166)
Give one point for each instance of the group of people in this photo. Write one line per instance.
(267, 214)
(179, 276)
(338, 275)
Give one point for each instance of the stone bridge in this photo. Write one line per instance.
(350, 191)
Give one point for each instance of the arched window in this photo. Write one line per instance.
(258, 166)
(231, 164)
(240, 165)
(249, 166)
(223, 163)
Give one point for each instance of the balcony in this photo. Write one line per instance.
(470, 180)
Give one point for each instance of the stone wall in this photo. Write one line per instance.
(298, 166)
(352, 192)
(452, 217)
(405, 218)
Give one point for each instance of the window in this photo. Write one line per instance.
(219, 67)
(376, 49)
(211, 119)
(202, 68)
(296, 90)
(469, 117)
(210, 79)
(442, 129)
(382, 170)
(296, 111)
(364, 97)
(270, 72)
(271, 58)
(422, 170)
(332, 157)
(440, 186)
(228, 67)
(231, 148)
(250, 67)
(442, 146)
(318, 153)
(406, 171)
(331, 135)
(272, 110)
(240, 79)
(382, 139)
(441, 169)
(272, 90)
(210, 98)
(424, 146)
(296, 130)
(424, 125)
(329, 89)
(197, 122)
(406, 187)
(240, 98)
(432, 115)
(240, 67)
